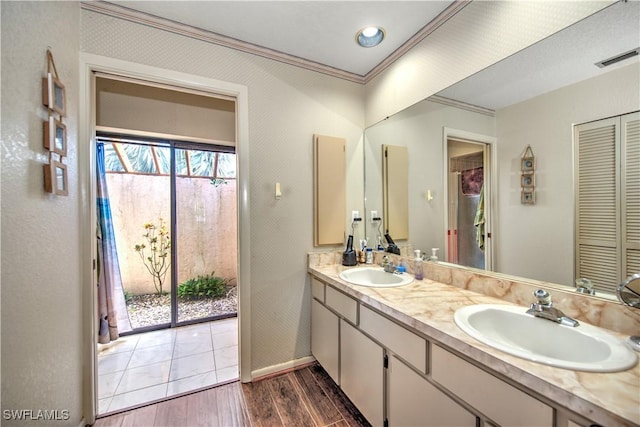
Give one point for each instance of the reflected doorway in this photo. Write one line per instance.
(467, 203)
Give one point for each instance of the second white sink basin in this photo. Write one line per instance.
(512, 330)
(375, 277)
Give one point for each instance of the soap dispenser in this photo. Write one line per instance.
(434, 254)
(417, 267)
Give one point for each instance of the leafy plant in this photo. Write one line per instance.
(208, 286)
(217, 182)
(157, 260)
(128, 296)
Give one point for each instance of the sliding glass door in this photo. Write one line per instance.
(174, 216)
(206, 243)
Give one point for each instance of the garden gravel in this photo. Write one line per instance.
(153, 309)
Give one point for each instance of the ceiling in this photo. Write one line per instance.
(318, 31)
(323, 32)
(564, 58)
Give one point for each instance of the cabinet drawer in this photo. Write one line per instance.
(399, 340)
(346, 306)
(498, 400)
(317, 289)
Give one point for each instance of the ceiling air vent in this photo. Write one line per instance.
(618, 58)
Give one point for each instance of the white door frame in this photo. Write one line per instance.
(490, 186)
(89, 64)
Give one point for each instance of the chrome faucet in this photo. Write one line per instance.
(544, 308)
(388, 265)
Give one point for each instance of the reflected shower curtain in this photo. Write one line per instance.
(110, 293)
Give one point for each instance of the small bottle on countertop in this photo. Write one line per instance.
(368, 255)
(417, 267)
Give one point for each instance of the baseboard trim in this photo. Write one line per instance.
(281, 368)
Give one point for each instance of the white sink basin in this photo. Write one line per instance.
(375, 277)
(512, 330)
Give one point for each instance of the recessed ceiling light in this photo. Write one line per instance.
(370, 36)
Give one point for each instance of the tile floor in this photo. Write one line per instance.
(140, 368)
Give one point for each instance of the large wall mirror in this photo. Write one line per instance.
(533, 98)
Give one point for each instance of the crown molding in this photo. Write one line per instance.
(462, 105)
(125, 13)
(146, 19)
(443, 17)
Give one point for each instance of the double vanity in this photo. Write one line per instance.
(460, 349)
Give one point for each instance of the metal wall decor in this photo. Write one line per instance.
(54, 131)
(527, 177)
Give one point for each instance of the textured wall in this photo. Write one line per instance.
(41, 281)
(545, 122)
(287, 105)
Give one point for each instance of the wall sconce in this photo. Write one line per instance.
(278, 191)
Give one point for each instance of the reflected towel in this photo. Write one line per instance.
(479, 220)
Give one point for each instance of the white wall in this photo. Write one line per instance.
(42, 361)
(420, 128)
(538, 241)
(287, 105)
(477, 36)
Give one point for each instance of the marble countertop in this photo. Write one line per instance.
(609, 399)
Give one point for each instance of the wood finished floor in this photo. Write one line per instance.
(305, 397)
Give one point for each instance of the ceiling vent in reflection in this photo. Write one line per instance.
(618, 58)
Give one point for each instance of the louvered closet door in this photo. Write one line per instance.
(597, 214)
(630, 137)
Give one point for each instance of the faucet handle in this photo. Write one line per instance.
(543, 297)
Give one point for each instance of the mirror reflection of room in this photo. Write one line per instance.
(517, 105)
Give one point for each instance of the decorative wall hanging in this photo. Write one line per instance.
(55, 178)
(527, 177)
(53, 93)
(55, 136)
(54, 131)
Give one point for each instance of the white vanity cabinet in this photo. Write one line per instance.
(414, 401)
(398, 377)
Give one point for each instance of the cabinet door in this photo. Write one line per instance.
(329, 195)
(413, 401)
(362, 372)
(325, 338)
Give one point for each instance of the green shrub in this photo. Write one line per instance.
(209, 286)
(128, 296)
